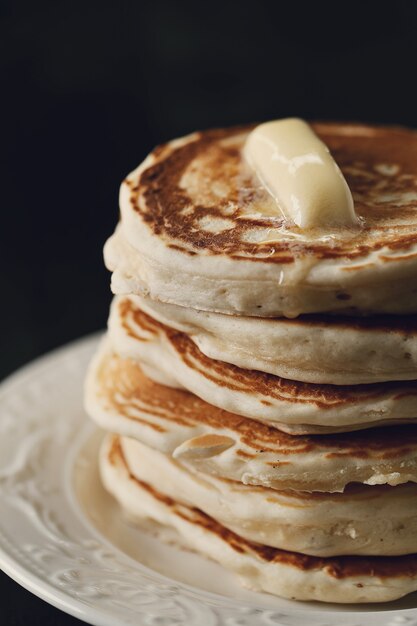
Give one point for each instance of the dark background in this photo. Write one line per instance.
(88, 88)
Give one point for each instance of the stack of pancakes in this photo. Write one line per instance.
(259, 381)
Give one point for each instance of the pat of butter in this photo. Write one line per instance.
(300, 173)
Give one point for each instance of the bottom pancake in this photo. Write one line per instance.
(349, 579)
(379, 520)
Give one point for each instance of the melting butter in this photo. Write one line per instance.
(298, 170)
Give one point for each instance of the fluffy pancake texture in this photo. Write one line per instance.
(172, 358)
(260, 378)
(366, 520)
(198, 229)
(121, 399)
(329, 349)
(288, 574)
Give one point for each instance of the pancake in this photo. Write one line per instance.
(365, 520)
(288, 574)
(199, 230)
(170, 357)
(338, 350)
(122, 400)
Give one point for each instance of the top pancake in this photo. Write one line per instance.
(199, 230)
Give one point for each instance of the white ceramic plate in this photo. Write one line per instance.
(63, 538)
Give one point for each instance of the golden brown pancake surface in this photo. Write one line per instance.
(379, 164)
